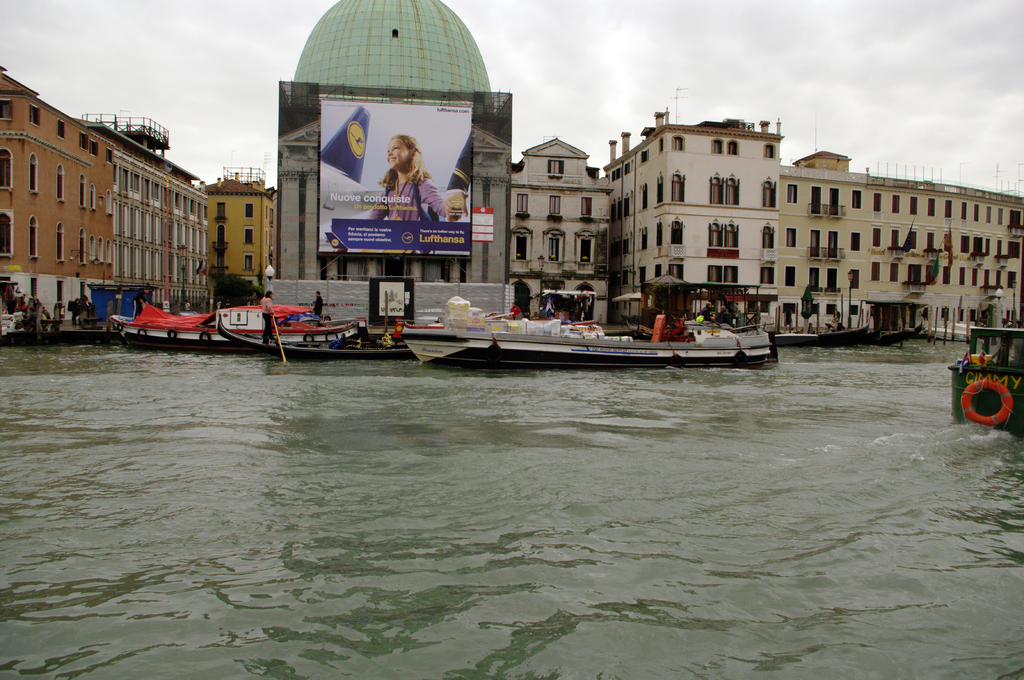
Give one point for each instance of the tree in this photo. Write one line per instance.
(233, 287)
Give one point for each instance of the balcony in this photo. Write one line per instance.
(913, 286)
(220, 216)
(672, 251)
(1002, 259)
(832, 290)
(220, 246)
(1016, 229)
(218, 271)
(826, 210)
(978, 257)
(896, 252)
(825, 253)
(769, 255)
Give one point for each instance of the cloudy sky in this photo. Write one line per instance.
(925, 88)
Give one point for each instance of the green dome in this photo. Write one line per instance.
(407, 44)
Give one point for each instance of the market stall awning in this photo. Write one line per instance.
(627, 296)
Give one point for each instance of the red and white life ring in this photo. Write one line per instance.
(967, 402)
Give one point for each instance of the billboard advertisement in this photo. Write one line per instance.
(395, 178)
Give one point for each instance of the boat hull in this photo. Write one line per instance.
(314, 350)
(510, 350)
(988, 402)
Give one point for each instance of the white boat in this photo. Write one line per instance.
(700, 345)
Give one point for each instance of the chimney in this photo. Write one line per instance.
(612, 144)
(625, 142)
(659, 118)
(778, 127)
(764, 127)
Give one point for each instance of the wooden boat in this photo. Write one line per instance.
(989, 380)
(355, 343)
(700, 345)
(847, 338)
(886, 338)
(796, 339)
(155, 328)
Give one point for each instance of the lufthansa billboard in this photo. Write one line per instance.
(395, 178)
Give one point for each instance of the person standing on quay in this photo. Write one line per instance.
(267, 304)
(318, 305)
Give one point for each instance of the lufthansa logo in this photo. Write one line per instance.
(407, 237)
(335, 242)
(356, 139)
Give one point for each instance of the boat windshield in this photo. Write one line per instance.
(989, 345)
(1016, 353)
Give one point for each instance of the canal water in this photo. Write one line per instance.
(170, 515)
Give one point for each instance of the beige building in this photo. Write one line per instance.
(559, 233)
(696, 202)
(242, 235)
(56, 178)
(921, 244)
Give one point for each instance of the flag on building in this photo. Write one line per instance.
(201, 269)
(909, 240)
(933, 272)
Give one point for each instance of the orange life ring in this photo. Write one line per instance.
(967, 402)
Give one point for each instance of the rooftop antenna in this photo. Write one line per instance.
(677, 98)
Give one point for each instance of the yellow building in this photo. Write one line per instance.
(242, 233)
(856, 238)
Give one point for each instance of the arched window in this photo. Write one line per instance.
(33, 237)
(658, 238)
(109, 205)
(715, 235)
(733, 148)
(6, 235)
(677, 144)
(732, 191)
(716, 190)
(60, 242)
(678, 188)
(661, 189)
(92, 196)
(677, 233)
(33, 173)
(81, 191)
(643, 197)
(60, 182)
(92, 248)
(767, 236)
(769, 151)
(110, 253)
(81, 246)
(5, 169)
(768, 194)
(716, 146)
(585, 246)
(732, 236)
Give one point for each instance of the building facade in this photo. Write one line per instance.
(242, 235)
(854, 238)
(56, 184)
(695, 202)
(158, 213)
(559, 232)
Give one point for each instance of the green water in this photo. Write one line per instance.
(181, 515)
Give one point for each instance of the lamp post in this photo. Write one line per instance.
(995, 313)
(849, 306)
(181, 257)
(269, 273)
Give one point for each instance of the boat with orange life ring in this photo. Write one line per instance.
(989, 379)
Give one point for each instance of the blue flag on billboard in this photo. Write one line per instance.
(347, 148)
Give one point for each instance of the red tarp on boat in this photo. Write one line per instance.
(154, 317)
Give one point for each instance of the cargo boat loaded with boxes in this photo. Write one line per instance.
(471, 339)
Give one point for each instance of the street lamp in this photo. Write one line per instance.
(181, 256)
(849, 307)
(996, 313)
(269, 273)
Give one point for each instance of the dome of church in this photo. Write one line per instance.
(405, 44)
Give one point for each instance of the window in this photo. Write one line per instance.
(855, 198)
(876, 237)
(931, 207)
(855, 281)
(249, 234)
(767, 236)
(965, 243)
(895, 204)
(94, 147)
(731, 274)
(33, 173)
(988, 214)
(554, 243)
(678, 188)
(715, 234)
(33, 114)
(963, 210)
(60, 182)
(643, 274)
(247, 263)
(5, 109)
(717, 195)
(81, 191)
(769, 151)
(658, 237)
(249, 213)
(977, 212)
(814, 278)
(643, 156)
(790, 277)
(732, 236)
(81, 246)
(768, 194)
(876, 271)
(521, 246)
(643, 197)
(913, 205)
(83, 140)
(554, 205)
(768, 276)
(894, 272)
(855, 241)
(643, 240)
(715, 273)
(791, 237)
(877, 207)
(60, 242)
(5, 169)
(586, 206)
(6, 235)
(733, 149)
(791, 193)
(716, 146)
(556, 167)
(677, 233)
(522, 203)
(60, 128)
(586, 249)
(677, 143)
(33, 237)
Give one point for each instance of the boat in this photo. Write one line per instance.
(846, 338)
(353, 343)
(989, 380)
(796, 339)
(580, 347)
(155, 328)
(886, 338)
